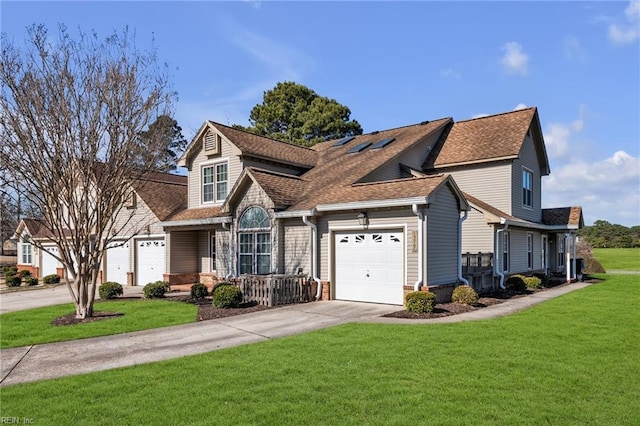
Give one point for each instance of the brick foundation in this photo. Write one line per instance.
(185, 278)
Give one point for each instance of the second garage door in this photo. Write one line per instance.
(369, 266)
(149, 261)
(49, 263)
(118, 262)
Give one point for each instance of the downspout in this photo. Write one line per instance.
(419, 212)
(314, 261)
(461, 219)
(496, 264)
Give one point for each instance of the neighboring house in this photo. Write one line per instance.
(9, 248)
(349, 212)
(499, 161)
(137, 255)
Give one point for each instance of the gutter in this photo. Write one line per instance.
(191, 222)
(496, 269)
(420, 213)
(314, 261)
(461, 219)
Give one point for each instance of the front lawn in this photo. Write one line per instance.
(34, 326)
(571, 360)
(621, 259)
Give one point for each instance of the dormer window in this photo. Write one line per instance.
(211, 143)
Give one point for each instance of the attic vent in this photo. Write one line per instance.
(211, 143)
(358, 148)
(130, 201)
(382, 143)
(344, 140)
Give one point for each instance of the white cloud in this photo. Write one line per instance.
(607, 189)
(450, 73)
(573, 49)
(559, 137)
(515, 61)
(520, 106)
(628, 32)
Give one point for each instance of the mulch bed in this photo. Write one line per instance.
(206, 310)
(71, 319)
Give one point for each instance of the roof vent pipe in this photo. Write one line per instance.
(314, 262)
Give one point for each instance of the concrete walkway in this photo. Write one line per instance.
(47, 361)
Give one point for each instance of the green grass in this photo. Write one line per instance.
(621, 259)
(33, 326)
(571, 360)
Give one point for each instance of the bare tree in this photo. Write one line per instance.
(71, 111)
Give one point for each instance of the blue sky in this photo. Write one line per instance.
(399, 63)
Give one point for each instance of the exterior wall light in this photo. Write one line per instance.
(363, 219)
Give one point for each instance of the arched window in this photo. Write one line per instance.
(254, 234)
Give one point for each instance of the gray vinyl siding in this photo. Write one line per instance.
(296, 243)
(442, 242)
(398, 219)
(477, 235)
(227, 152)
(527, 160)
(489, 183)
(129, 222)
(183, 252)
(518, 255)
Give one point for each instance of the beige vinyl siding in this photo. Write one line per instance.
(528, 160)
(183, 252)
(413, 157)
(442, 242)
(296, 240)
(396, 219)
(204, 255)
(489, 183)
(477, 235)
(227, 152)
(132, 221)
(225, 259)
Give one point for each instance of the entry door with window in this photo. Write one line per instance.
(254, 235)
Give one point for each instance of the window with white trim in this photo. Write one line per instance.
(527, 188)
(530, 251)
(212, 250)
(561, 241)
(26, 254)
(506, 243)
(215, 182)
(254, 241)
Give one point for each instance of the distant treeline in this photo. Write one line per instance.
(603, 234)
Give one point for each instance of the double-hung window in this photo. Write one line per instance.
(27, 254)
(527, 188)
(254, 234)
(561, 247)
(505, 251)
(215, 181)
(530, 251)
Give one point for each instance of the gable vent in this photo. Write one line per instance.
(211, 142)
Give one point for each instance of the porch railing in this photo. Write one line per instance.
(275, 290)
(477, 268)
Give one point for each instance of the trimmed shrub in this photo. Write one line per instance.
(199, 291)
(227, 296)
(10, 270)
(544, 278)
(51, 279)
(24, 273)
(420, 302)
(12, 280)
(464, 295)
(220, 284)
(155, 290)
(516, 283)
(30, 281)
(533, 282)
(109, 290)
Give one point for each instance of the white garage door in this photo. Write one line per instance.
(149, 260)
(118, 262)
(370, 266)
(49, 263)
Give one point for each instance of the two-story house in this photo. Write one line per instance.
(371, 216)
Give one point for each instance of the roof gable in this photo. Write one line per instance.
(487, 139)
(164, 194)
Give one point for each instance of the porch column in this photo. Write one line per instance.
(567, 254)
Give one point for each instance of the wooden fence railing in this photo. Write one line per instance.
(275, 290)
(477, 268)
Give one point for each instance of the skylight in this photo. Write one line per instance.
(358, 147)
(344, 140)
(382, 143)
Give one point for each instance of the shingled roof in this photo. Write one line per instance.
(164, 194)
(563, 216)
(485, 139)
